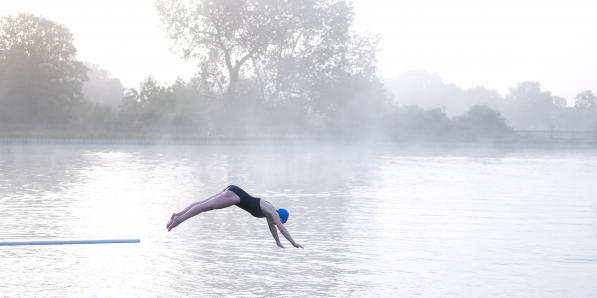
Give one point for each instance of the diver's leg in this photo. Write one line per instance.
(189, 207)
(219, 201)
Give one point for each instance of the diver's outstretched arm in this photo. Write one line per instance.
(274, 231)
(280, 225)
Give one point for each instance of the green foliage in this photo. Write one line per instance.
(40, 79)
(481, 122)
(266, 68)
(530, 108)
(284, 47)
(586, 100)
(583, 116)
(415, 123)
(349, 102)
(101, 88)
(176, 109)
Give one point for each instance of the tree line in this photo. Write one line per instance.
(265, 68)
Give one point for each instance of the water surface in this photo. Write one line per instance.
(375, 222)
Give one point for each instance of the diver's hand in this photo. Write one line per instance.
(297, 245)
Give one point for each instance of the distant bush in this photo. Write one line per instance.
(481, 122)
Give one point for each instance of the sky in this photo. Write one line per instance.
(467, 42)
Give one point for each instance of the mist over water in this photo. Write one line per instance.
(397, 187)
(375, 221)
(274, 69)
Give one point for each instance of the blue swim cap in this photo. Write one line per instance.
(283, 213)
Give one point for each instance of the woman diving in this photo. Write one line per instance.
(234, 195)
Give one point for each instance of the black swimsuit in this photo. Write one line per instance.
(247, 202)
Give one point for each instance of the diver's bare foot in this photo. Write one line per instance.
(174, 223)
(170, 221)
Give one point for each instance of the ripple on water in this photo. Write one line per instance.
(373, 225)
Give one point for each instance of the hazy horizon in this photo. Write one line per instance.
(467, 43)
(443, 161)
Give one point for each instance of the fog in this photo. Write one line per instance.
(267, 69)
(428, 149)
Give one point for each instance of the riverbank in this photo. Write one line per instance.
(584, 138)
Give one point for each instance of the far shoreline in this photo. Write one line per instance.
(565, 139)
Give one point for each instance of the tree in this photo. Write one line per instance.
(427, 91)
(530, 108)
(156, 108)
(351, 106)
(481, 122)
(284, 46)
(586, 100)
(146, 109)
(101, 88)
(583, 116)
(40, 79)
(415, 123)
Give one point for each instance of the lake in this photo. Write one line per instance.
(375, 221)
